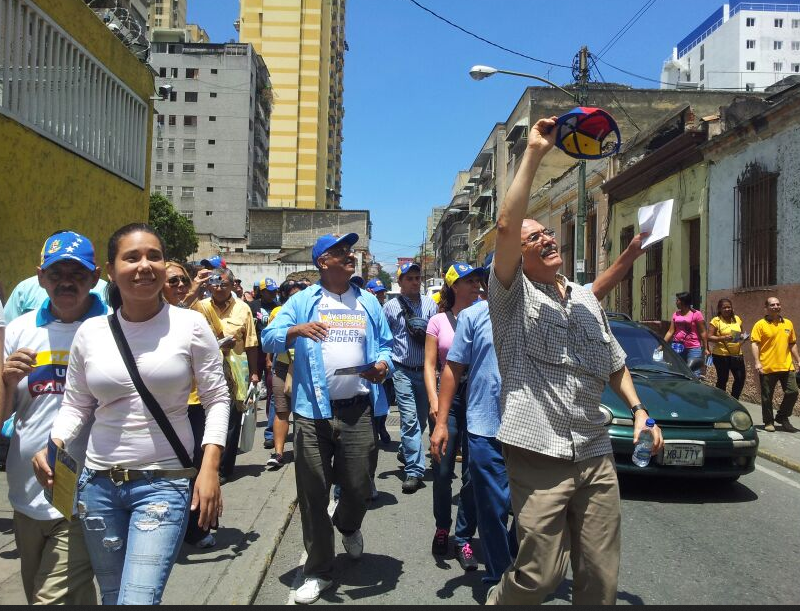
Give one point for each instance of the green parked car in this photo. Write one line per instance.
(707, 433)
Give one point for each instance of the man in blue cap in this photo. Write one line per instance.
(29, 295)
(377, 288)
(214, 262)
(342, 346)
(55, 565)
(408, 317)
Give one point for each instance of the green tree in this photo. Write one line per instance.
(386, 278)
(177, 231)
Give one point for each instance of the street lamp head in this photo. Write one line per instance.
(481, 72)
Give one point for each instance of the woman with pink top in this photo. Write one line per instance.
(687, 331)
(134, 494)
(461, 290)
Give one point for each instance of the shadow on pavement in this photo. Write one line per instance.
(684, 491)
(231, 542)
(564, 592)
(384, 499)
(468, 580)
(241, 471)
(373, 575)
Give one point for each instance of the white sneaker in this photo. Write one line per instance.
(206, 542)
(309, 592)
(353, 544)
(373, 496)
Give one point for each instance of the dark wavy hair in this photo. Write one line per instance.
(113, 295)
(685, 298)
(719, 307)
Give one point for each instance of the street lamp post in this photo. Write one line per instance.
(579, 96)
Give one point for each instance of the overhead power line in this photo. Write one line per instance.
(624, 29)
(482, 39)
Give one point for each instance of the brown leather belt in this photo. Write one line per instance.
(119, 476)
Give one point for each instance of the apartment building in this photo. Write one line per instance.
(742, 45)
(210, 136)
(303, 42)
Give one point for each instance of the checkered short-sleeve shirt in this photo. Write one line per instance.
(555, 357)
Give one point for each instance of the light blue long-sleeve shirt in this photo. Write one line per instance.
(309, 384)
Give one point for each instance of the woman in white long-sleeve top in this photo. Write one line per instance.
(134, 494)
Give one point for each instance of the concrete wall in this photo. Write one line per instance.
(290, 229)
(44, 187)
(779, 153)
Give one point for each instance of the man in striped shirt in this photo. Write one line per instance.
(408, 313)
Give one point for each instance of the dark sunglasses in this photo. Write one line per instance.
(175, 280)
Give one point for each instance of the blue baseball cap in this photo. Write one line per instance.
(326, 242)
(375, 285)
(215, 262)
(460, 270)
(68, 246)
(406, 267)
(358, 281)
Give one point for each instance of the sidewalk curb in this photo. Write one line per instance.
(780, 460)
(244, 575)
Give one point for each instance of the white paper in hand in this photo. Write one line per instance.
(655, 220)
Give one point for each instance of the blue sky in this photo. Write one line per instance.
(414, 117)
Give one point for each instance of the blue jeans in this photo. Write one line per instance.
(412, 403)
(443, 473)
(692, 353)
(133, 533)
(493, 503)
(270, 419)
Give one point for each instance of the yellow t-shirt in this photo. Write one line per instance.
(774, 341)
(731, 347)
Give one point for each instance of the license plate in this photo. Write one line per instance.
(683, 454)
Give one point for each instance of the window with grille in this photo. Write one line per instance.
(189, 144)
(170, 167)
(52, 85)
(192, 73)
(779, 23)
(188, 168)
(190, 96)
(172, 120)
(190, 121)
(751, 66)
(651, 283)
(777, 66)
(756, 227)
(187, 214)
(168, 191)
(624, 290)
(591, 245)
(751, 21)
(567, 244)
(187, 191)
(750, 44)
(796, 45)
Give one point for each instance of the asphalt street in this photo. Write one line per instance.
(684, 542)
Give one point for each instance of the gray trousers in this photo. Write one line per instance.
(338, 450)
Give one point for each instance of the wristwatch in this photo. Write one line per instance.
(638, 407)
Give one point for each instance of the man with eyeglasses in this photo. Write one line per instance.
(55, 565)
(237, 324)
(555, 353)
(342, 345)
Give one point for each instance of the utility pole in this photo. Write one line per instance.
(580, 234)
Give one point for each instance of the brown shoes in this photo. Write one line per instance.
(786, 425)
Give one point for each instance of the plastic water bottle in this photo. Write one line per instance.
(641, 453)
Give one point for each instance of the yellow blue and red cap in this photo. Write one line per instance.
(406, 267)
(460, 270)
(68, 246)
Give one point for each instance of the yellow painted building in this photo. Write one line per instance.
(75, 143)
(678, 263)
(303, 43)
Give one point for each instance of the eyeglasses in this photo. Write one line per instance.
(175, 280)
(536, 236)
(340, 251)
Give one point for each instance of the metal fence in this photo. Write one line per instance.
(52, 85)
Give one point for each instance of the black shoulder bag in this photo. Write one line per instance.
(416, 326)
(147, 397)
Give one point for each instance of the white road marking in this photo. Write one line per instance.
(778, 476)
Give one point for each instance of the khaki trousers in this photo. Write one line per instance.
(565, 511)
(55, 565)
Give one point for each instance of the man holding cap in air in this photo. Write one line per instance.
(55, 564)
(342, 346)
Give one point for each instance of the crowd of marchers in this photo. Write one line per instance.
(141, 382)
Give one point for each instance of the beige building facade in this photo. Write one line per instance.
(303, 44)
